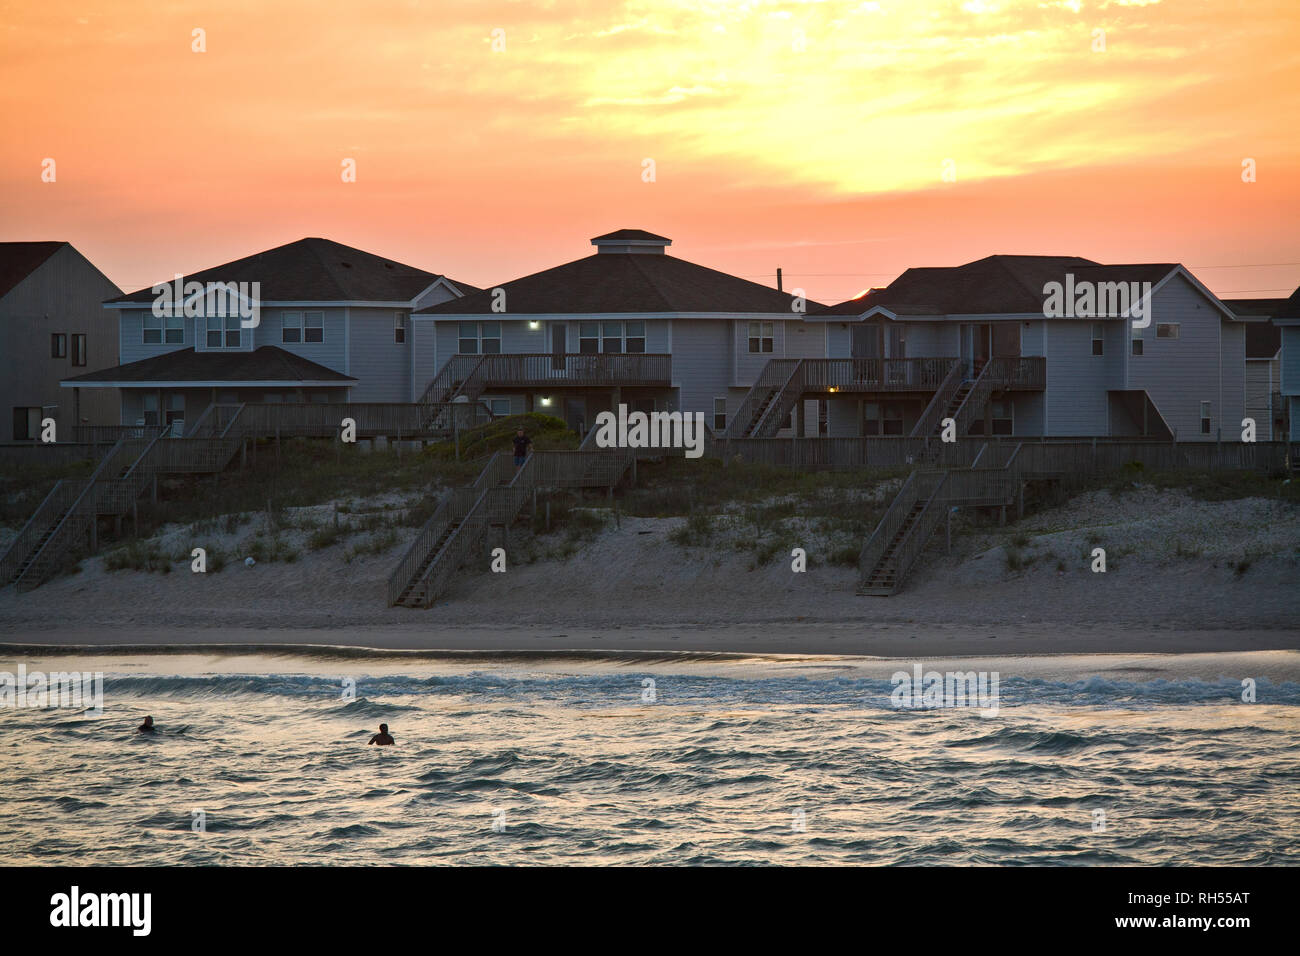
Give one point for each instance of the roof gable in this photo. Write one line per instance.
(18, 260)
(994, 285)
(608, 282)
(269, 363)
(315, 270)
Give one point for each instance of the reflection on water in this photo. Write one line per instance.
(572, 766)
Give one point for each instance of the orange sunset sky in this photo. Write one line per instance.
(806, 135)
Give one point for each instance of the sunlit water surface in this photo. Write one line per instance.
(507, 763)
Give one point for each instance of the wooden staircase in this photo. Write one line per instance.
(767, 405)
(460, 379)
(65, 521)
(954, 405)
(458, 528)
(925, 499)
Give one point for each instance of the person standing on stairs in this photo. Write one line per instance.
(522, 441)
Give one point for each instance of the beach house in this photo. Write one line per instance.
(1288, 319)
(52, 325)
(1055, 346)
(1264, 401)
(310, 321)
(629, 324)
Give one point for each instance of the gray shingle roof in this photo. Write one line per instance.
(318, 270)
(631, 234)
(268, 363)
(1290, 309)
(628, 283)
(990, 286)
(18, 260)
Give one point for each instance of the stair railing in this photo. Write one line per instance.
(933, 414)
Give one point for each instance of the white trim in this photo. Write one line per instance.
(282, 383)
(440, 281)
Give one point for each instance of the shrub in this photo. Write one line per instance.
(697, 531)
(138, 556)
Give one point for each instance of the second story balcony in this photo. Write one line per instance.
(471, 375)
(573, 368)
(925, 374)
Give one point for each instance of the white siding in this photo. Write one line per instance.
(1076, 380)
(381, 365)
(131, 345)
(1181, 373)
(749, 364)
(330, 352)
(700, 350)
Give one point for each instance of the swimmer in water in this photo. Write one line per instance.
(147, 727)
(383, 738)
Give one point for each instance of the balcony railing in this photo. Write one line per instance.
(570, 368)
(875, 375)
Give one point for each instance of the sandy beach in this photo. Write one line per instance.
(1183, 576)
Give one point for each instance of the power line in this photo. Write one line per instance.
(874, 275)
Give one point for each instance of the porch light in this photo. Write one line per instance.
(546, 401)
(534, 325)
(835, 388)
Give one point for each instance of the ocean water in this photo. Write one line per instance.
(746, 761)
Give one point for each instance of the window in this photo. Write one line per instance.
(1205, 418)
(149, 408)
(291, 327)
(1002, 414)
(27, 423)
(588, 338)
(1137, 345)
(169, 329)
(882, 418)
(760, 336)
(479, 337)
(313, 326)
(1097, 339)
(78, 349)
(399, 327)
(611, 337)
(719, 414)
(1166, 330)
(892, 420)
(635, 332)
(175, 409)
(467, 344)
(223, 331)
(500, 407)
(58, 345)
